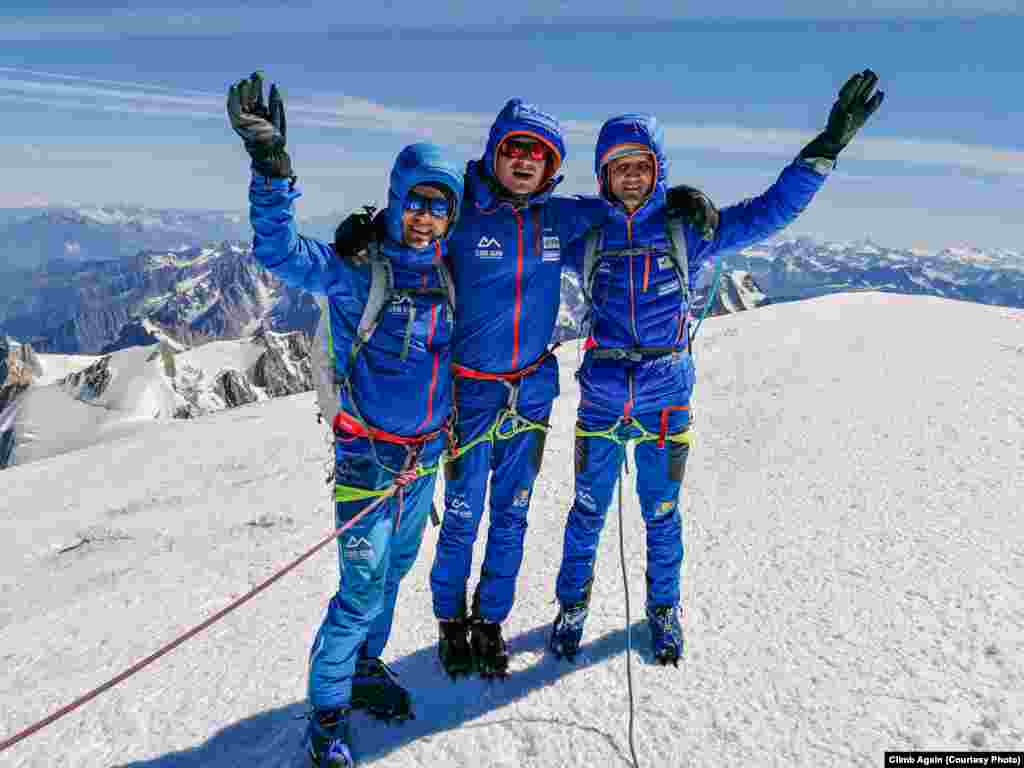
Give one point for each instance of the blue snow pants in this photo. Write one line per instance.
(659, 476)
(511, 465)
(374, 555)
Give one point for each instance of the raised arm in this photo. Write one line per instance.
(760, 217)
(299, 261)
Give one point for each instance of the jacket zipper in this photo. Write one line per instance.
(437, 362)
(632, 286)
(519, 289)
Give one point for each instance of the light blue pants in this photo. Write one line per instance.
(374, 555)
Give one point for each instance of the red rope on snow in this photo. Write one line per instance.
(196, 630)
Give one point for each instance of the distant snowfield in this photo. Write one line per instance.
(853, 580)
(139, 391)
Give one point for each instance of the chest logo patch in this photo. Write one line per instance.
(489, 248)
(552, 248)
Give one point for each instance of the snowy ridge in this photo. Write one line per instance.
(852, 576)
(128, 389)
(795, 268)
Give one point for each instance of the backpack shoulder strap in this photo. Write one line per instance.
(680, 255)
(325, 375)
(591, 249)
(382, 285)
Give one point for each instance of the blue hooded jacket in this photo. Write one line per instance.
(506, 256)
(636, 299)
(405, 397)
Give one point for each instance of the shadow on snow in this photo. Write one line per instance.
(273, 738)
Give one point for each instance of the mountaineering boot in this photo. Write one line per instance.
(375, 688)
(327, 739)
(666, 634)
(488, 648)
(567, 631)
(454, 649)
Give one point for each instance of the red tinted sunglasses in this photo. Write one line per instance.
(534, 150)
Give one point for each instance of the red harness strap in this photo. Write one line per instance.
(511, 376)
(663, 432)
(349, 425)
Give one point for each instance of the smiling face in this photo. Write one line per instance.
(521, 165)
(420, 227)
(631, 179)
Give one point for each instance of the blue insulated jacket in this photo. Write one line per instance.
(636, 300)
(506, 256)
(406, 397)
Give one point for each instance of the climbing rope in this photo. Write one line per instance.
(8, 743)
(629, 621)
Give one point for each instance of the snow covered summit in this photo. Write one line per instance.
(852, 579)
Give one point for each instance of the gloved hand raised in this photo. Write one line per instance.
(262, 128)
(849, 113)
(694, 207)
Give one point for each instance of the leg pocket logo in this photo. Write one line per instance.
(358, 548)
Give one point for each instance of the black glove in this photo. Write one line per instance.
(356, 232)
(262, 128)
(851, 110)
(694, 207)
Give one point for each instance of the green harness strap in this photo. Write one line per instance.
(612, 433)
(497, 431)
(352, 493)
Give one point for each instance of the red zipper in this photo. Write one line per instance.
(437, 363)
(519, 290)
(632, 282)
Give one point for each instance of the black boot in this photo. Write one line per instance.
(327, 740)
(453, 647)
(489, 648)
(375, 688)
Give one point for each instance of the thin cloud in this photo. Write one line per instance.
(22, 71)
(468, 130)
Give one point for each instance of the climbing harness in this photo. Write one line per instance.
(509, 423)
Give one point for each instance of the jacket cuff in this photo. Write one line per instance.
(259, 181)
(820, 165)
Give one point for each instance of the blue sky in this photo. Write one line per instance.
(108, 105)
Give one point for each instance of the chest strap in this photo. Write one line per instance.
(634, 354)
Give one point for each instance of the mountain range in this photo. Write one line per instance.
(801, 268)
(31, 238)
(75, 311)
(78, 280)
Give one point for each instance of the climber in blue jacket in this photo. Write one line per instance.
(506, 256)
(637, 376)
(394, 398)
